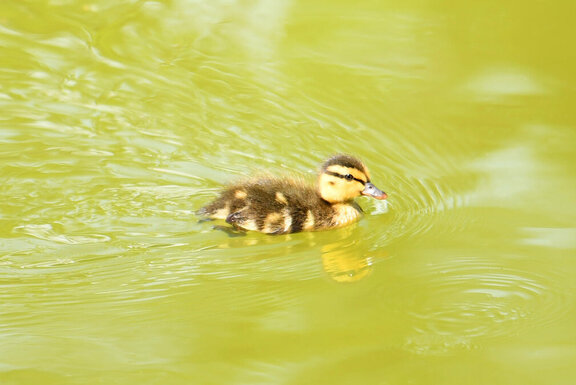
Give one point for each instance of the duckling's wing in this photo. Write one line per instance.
(242, 219)
(273, 223)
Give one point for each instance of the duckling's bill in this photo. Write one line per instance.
(373, 191)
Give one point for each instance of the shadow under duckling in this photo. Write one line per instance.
(280, 205)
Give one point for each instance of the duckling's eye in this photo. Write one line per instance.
(349, 177)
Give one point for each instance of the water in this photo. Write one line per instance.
(119, 120)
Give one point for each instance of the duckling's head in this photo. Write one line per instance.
(343, 178)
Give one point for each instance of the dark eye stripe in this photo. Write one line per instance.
(344, 176)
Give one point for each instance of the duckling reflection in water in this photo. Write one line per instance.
(347, 255)
(345, 267)
(280, 205)
(343, 259)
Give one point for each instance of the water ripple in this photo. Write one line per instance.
(46, 232)
(416, 204)
(477, 298)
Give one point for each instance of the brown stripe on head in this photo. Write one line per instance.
(346, 161)
(342, 171)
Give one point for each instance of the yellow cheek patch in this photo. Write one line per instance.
(334, 189)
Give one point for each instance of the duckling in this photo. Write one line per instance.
(279, 205)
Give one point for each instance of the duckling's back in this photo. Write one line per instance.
(273, 206)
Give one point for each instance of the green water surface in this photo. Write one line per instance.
(119, 119)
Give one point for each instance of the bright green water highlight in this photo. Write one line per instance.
(120, 119)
